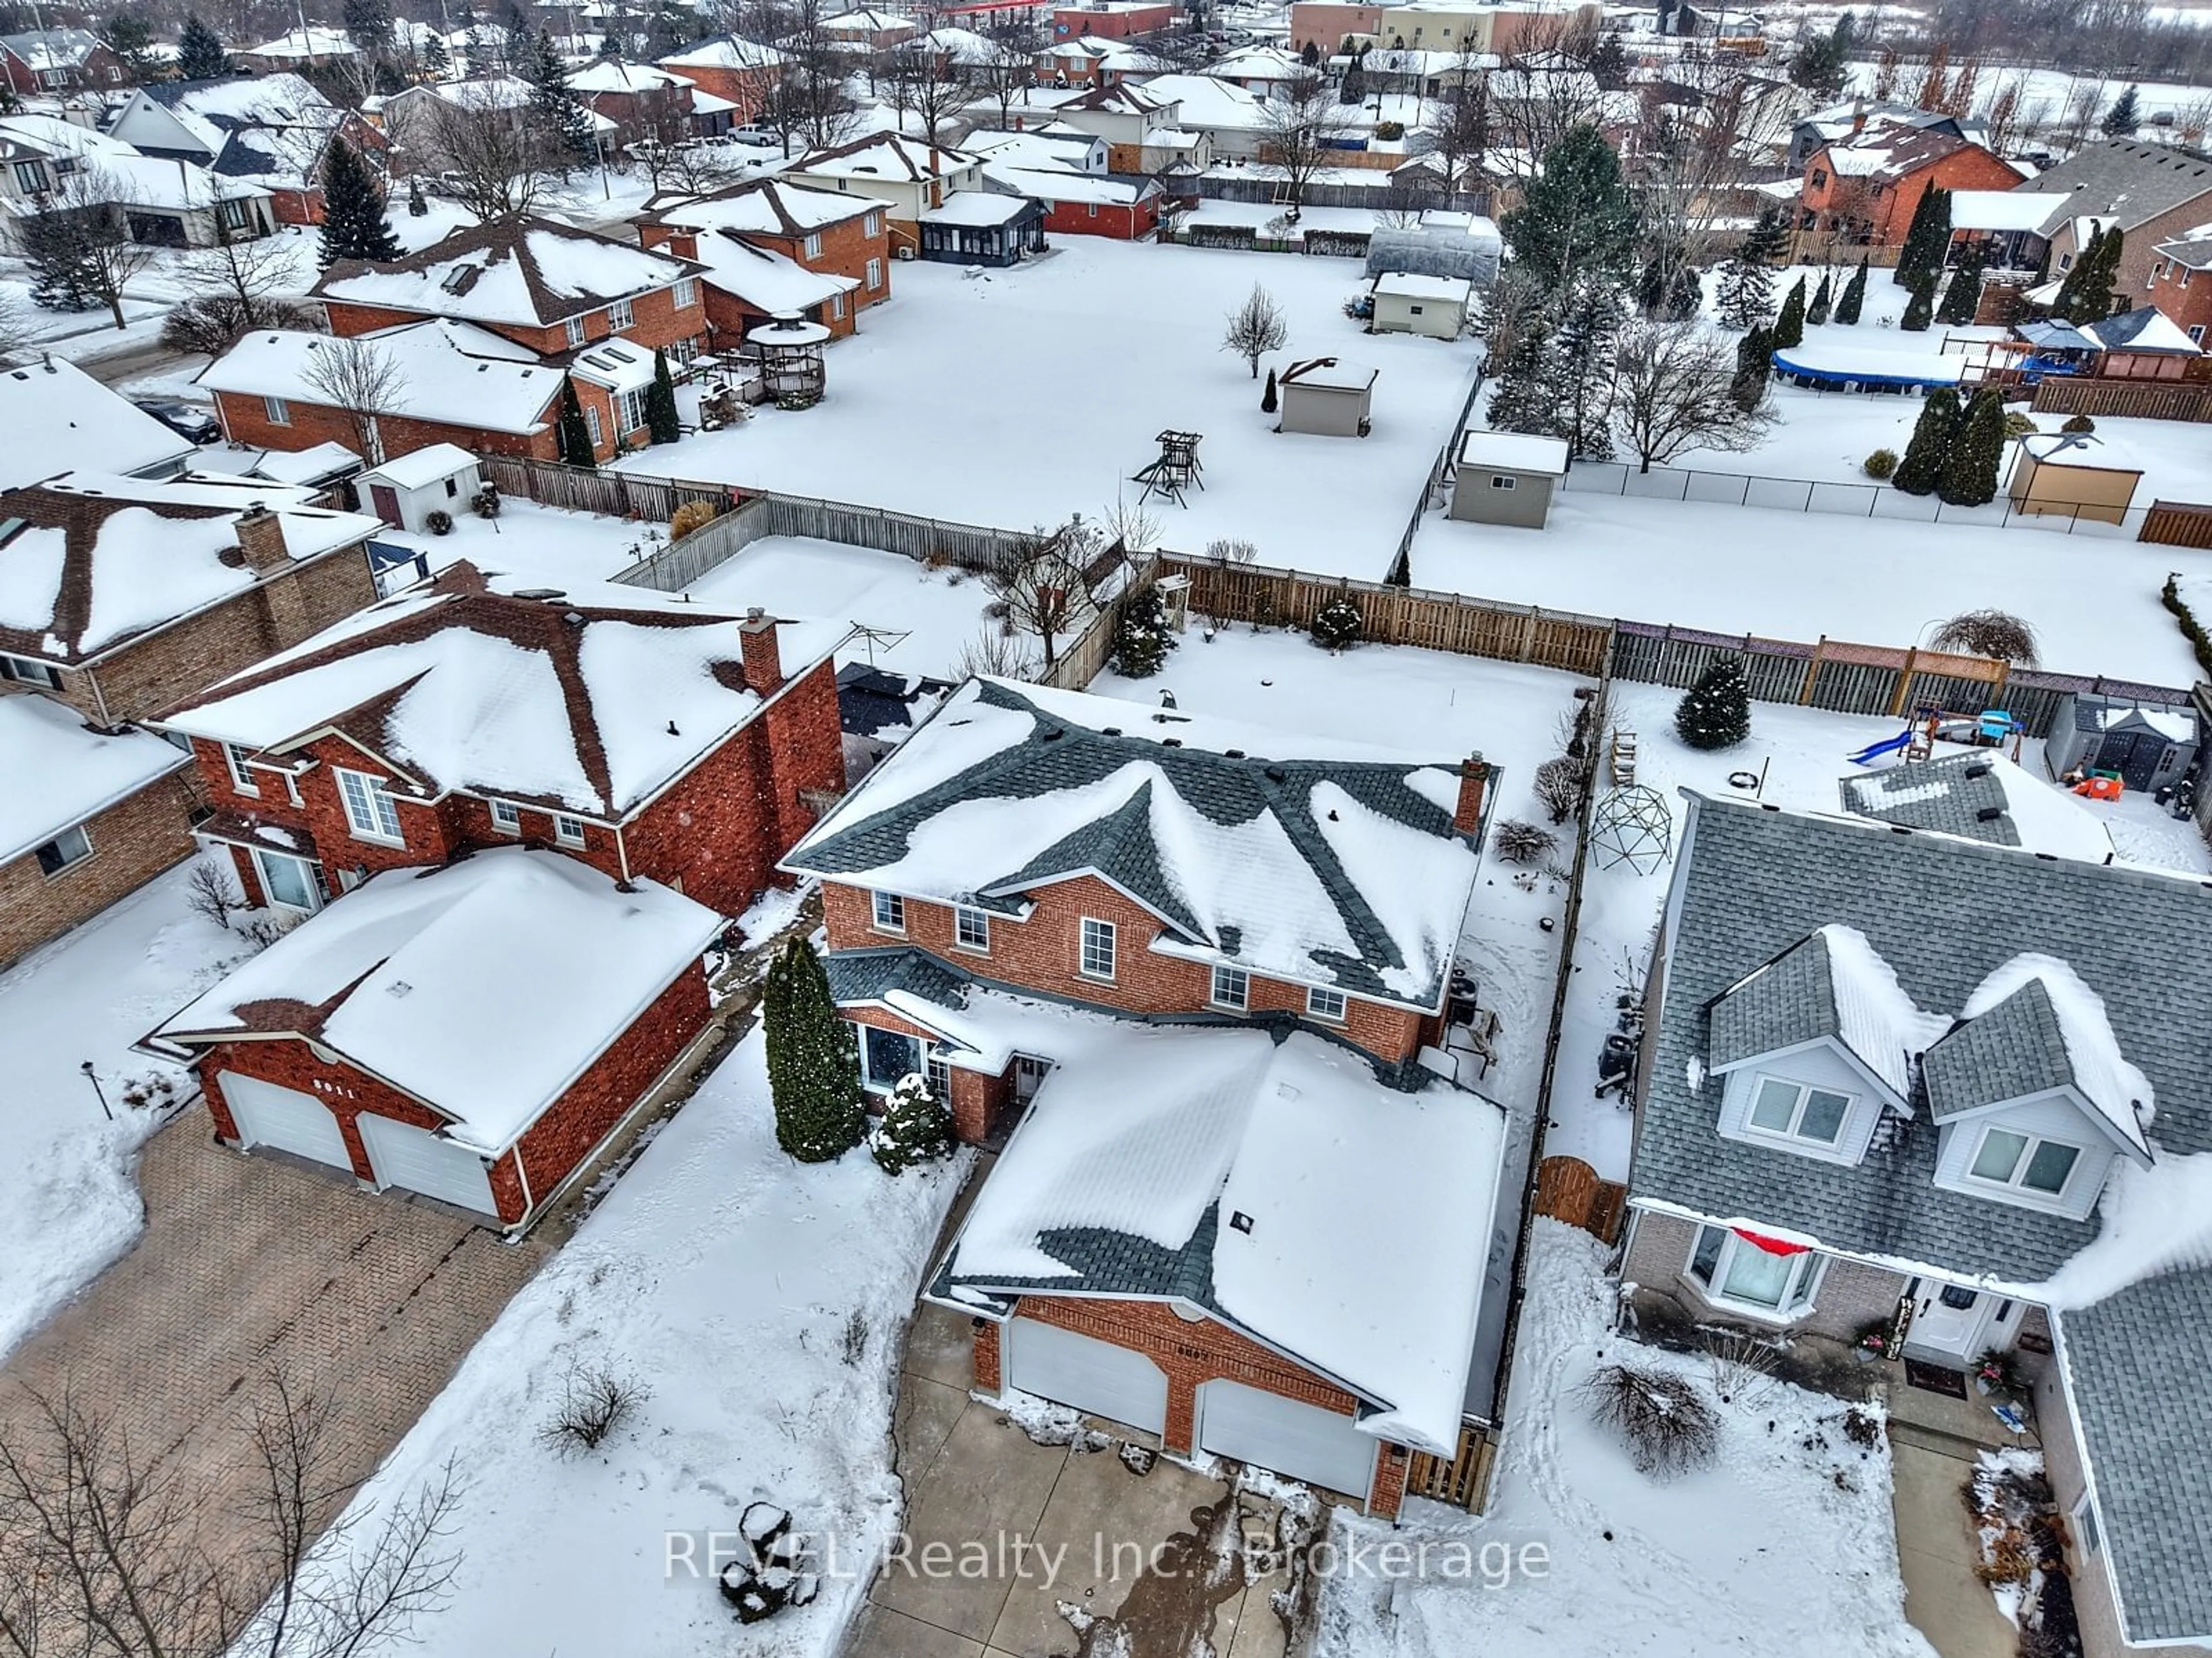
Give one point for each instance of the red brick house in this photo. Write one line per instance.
(2181, 281)
(767, 248)
(58, 60)
(1868, 185)
(1086, 204)
(1213, 987)
(738, 71)
(647, 101)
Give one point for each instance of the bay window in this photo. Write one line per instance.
(1761, 1277)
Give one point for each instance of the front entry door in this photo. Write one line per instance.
(1950, 1322)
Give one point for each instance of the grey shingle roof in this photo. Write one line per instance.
(868, 975)
(1944, 913)
(2131, 182)
(2014, 1050)
(1791, 1000)
(2138, 1361)
(1972, 799)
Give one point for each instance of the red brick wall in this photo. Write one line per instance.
(245, 420)
(1888, 210)
(1192, 1353)
(656, 320)
(1122, 223)
(2184, 296)
(1041, 954)
(979, 1103)
(132, 841)
(1073, 23)
(748, 89)
(846, 249)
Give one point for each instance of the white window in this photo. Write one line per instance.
(2197, 333)
(1326, 1003)
(568, 831)
(233, 760)
(1791, 1111)
(575, 330)
(277, 410)
(687, 293)
(837, 307)
(287, 883)
(71, 846)
(630, 410)
(939, 1075)
(2027, 1163)
(619, 316)
(872, 225)
(889, 911)
(885, 1057)
(2089, 1536)
(592, 423)
(875, 274)
(1232, 987)
(1097, 961)
(813, 246)
(25, 671)
(369, 811)
(507, 816)
(1499, 480)
(971, 928)
(1732, 1269)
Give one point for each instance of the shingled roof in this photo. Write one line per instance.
(517, 270)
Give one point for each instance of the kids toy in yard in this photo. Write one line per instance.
(1177, 469)
(2097, 786)
(1873, 751)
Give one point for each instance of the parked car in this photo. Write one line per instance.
(186, 419)
(755, 135)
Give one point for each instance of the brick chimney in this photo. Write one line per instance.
(1473, 783)
(757, 644)
(1858, 116)
(261, 539)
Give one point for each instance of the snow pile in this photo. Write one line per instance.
(1875, 1019)
(2154, 1221)
(2105, 1075)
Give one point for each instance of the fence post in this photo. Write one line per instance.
(1897, 702)
(1813, 671)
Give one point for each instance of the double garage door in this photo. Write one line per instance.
(401, 1154)
(1284, 1436)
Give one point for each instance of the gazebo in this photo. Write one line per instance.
(791, 359)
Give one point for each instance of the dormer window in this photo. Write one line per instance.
(1793, 1111)
(2026, 1162)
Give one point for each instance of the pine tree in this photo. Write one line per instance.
(2086, 294)
(1577, 217)
(1579, 367)
(1789, 326)
(661, 416)
(1822, 302)
(436, 57)
(553, 107)
(1745, 291)
(1755, 366)
(1267, 399)
(1927, 240)
(914, 1128)
(1522, 401)
(1608, 62)
(1962, 298)
(1970, 472)
(1716, 712)
(1853, 298)
(1353, 89)
(200, 56)
(1920, 309)
(573, 435)
(2125, 116)
(1928, 455)
(1144, 637)
(354, 222)
(813, 1060)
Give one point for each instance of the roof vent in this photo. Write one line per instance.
(1109, 730)
(1988, 813)
(1171, 742)
(541, 592)
(1232, 754)
(1052, 736)
(1239, 1221)
(1277, 774)
(397, 987)
(1979, 769)
(573, 618)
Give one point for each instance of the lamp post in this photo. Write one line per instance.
(99, 1093)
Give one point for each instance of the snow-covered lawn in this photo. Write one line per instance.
(762, 1303)
(1015, 397)
(940, 611)
(1781, 1546)
(71, 1197)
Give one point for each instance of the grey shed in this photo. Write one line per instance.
(2149, 744)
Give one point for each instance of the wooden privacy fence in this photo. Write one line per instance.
(2178, 523)
(1569, 1189)
(1462, 1479)
(2139, 399)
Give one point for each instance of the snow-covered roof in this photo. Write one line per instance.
(58, 418)
(2146, 328)
(212, 109)
(530, 272)
(484, 989)
(979, 208)
(1330, 374)
(613, 75)
(1060, 183)
(1051, 148)
(1203, 104)
(2091, 450)
(591, 700)
(303, 467)
(863, 21)
(1869, 364)
(304, 44)
(145, 181)
(449, 373)
(761, 207)
(764, 279)
(1831, 984)
(1997, 209)
(420, 468)
(725, 51)
(89, 560)
(1980, 796)
(887, 155)
(1264, 1182)
(61, 771)
(51, 49)
(1326, 864)
(1513, 452)
(1411, 285)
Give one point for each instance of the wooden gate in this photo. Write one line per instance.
(1462, 1480)
(1569, 1189)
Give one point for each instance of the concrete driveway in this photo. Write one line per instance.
(1146, 1562)
(250, 1266)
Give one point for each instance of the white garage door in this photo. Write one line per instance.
(1094, 1376)
(404, 1155)
(267, 1115)
(1286, 1437)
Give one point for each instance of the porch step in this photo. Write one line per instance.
(1958, 1447)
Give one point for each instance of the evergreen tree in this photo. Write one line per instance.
(416, 207)
(2085, 260)
(1970, 472)
(1745, 293)
(2086, 294)
(2125, 116)
(1144, 637)
(1716, 712)
(1607, 63)
(1522, 400)
(660, 416)
(1822, 62)
(1789, 326)
(574, 433)
(1853, 299)
(1353, 89)
(1822, 302)
(553, 107)
(1755, 366)
(1311, 55)
(436, 58)
(1576, 218)
(1927, 240)
(354, 222)
(1268, 397)
(200, 56)
(1929, 454)
(1920, 309)
(1579, 366)
(915, 1127)
(1962, 298)
(130, 38)
(813, 1060)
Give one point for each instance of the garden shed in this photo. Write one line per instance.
(1458, 245)
(1327, 396)
(404, 491)
(2148, 745)
(1507, 478)
(2074, 474)
(1408, 302)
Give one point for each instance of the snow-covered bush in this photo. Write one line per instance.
(1518, 842)
(2078, 423)
(438, 522)
(2017, 424)
(1144, 637)
(915, 1127)
(1337, 624)
(485, 503)
(1996, 634)
(1716, 712)
(1558, 785)
(1881, 465)
(1667, 1424)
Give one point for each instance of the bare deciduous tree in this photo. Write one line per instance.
(1039, 588)
(1675, 391)
(15, 330)
(244, 281)
(362, 378)
(810, 105)
(925, 78)
(1295, 130)
(498, 160)
(1988, 633)
(1457, 123)
(1011, 65)
(1255, 328)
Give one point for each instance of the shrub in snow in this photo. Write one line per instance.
(1970, 472)
(596, 1400)
(1716, 712)
(1231, 550)
(1920, 309)
(438, 522)
(486, 502)
(1881, 465)
(1144, 637)
(770, 1575)
(1853, 297)
(691, 516)
(209, 325)
(1789, 326)
(1667, 1424)
(1268, 398)
(813, 1060)
(1823, 302)
(2018, 425)
(1558, 784)
(2078, 423)
(1337, 624)
(1933, 435)
(1521, 843)
(211, 893)
(915, 1127)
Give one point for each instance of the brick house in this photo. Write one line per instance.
(272, 131)
(92, 815)
(767, 248)
(738, 71)
(1866, 188)
(1111, 20)
(649, 101)
(1164, 952)
(1330, 26)
(2181, 281)
(1085, 204)
(58, 60)
(1929, 1087)
(1130, 118)
(908, 176)
(2152, 193)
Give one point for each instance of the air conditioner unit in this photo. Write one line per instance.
(902, 252)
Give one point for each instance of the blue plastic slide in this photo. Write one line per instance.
(1873, 751)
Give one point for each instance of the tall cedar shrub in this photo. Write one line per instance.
(1920, 309)
(813, 1060)
(660, 416)
(1755, 366)
(1716, 712)
(1962, 295)
(1970, 474)
(354, 222)
(1789, 326)
(1929, 454)
(1928, 238)
(573, 435)
(1267, 399)
(1853, 298)
(1823, 301)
